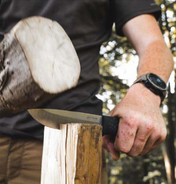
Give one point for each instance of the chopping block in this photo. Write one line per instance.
(72, 154)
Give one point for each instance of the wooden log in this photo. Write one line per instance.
(37, 61)
(72, 155)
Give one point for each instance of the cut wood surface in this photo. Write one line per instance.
(72, 155)
(37, 61)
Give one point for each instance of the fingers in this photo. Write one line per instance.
(125, 137)
(135, 139)
(140, 141)
(108, 144)
(153, 142)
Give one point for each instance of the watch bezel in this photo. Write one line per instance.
(155, 85)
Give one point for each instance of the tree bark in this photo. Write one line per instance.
(72, 155)
(37, 61)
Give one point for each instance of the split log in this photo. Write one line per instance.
(72, 155)
(37, 61)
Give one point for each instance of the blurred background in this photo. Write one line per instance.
(118, 65)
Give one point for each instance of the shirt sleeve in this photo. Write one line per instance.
(124, 10)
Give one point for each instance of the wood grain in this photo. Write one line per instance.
(37, 61)
(72, 155)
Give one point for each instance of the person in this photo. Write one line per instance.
(88, 23)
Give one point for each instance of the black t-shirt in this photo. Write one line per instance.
(88, 23)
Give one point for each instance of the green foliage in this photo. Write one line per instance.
(114, 55)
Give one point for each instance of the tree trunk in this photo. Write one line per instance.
(37, 61)
(72, 155)
(169, 147)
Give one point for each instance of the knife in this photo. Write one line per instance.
(53, 118)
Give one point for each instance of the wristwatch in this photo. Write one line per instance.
(154, 83)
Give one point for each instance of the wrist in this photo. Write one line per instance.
(142, 92)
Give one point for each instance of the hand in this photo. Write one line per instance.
(141, 127)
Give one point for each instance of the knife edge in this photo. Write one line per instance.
(53, 118)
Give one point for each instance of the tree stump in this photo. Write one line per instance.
(37, 61)
(72, 155)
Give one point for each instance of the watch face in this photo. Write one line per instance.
(157, 81)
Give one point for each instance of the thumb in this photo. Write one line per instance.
(108, 144)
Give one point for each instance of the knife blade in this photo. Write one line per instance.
(53, 118)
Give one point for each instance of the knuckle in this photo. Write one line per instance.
(131, 120)
(130, 124)
(150, 126)
(142, 139)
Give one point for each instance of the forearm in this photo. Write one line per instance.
(145, 35)
(156, 58)
(142, 127)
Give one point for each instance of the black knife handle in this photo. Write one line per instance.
(110, 125)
